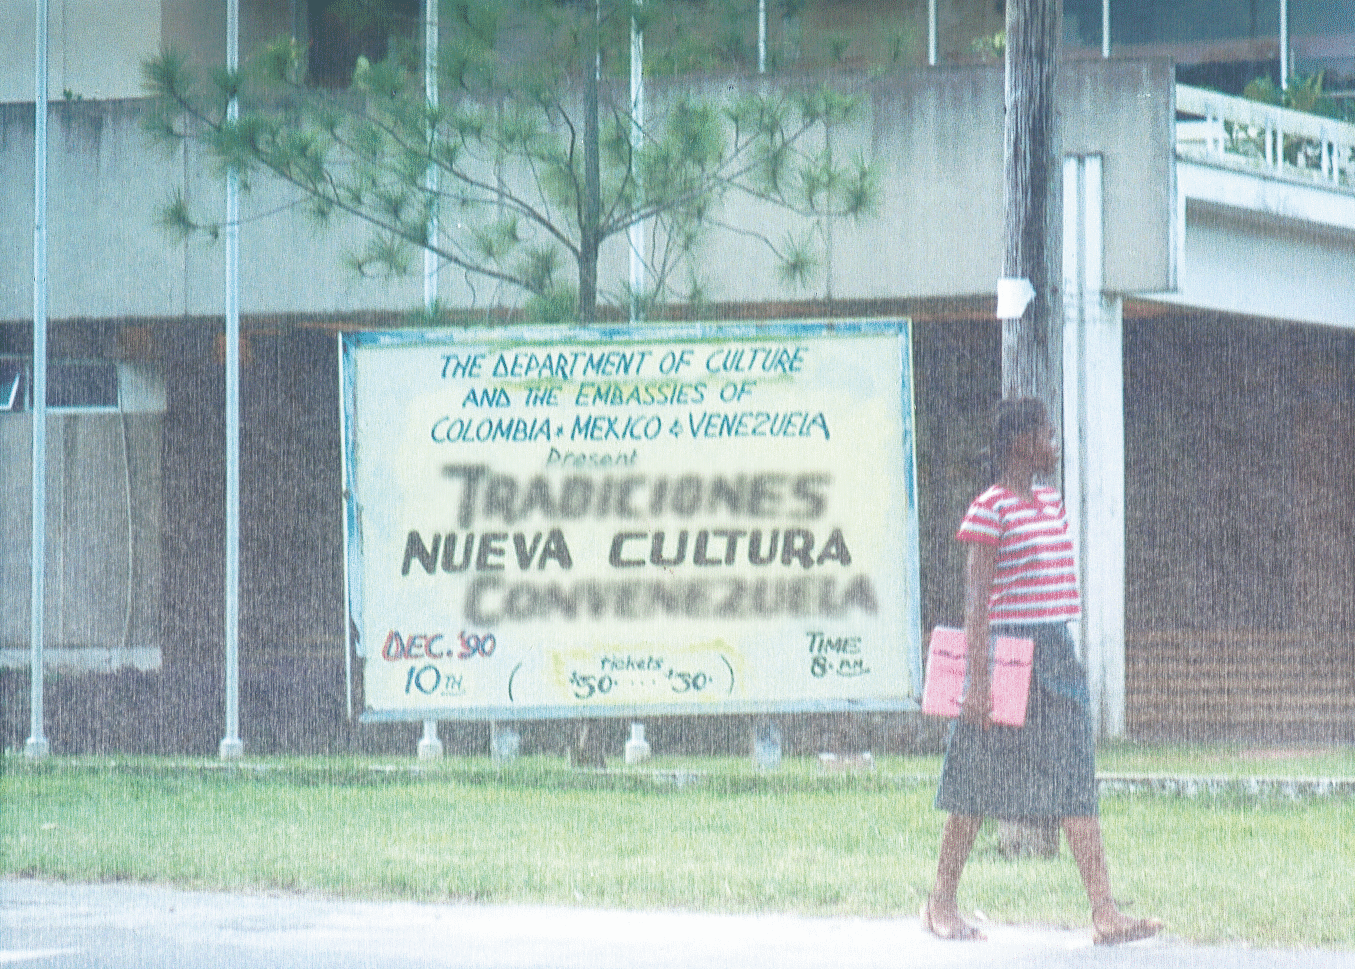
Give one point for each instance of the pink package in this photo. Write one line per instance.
(943, 690)
(944, 684)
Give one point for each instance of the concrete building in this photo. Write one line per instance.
(1208, 241)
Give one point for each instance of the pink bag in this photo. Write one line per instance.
(943, 690)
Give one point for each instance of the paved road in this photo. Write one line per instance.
(46, 925)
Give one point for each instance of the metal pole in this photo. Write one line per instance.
(931, 32)
(762, 36)
(37, 745)
(430, 747)
(636, 233)
(1105, 28)
(1284, 45)
(430, 87)
(232, 747)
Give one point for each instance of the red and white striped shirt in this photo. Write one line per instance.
(1036, 578)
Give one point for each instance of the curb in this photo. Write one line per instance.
(1281, 788)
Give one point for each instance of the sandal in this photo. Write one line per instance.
(1131, 931)
(965, 933)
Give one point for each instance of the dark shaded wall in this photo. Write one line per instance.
(292, 690)
(957, 368)
(194, 494)
(1240, 454)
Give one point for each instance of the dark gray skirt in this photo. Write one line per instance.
(1044, 769)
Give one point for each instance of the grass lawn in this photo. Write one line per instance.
(1229, 867)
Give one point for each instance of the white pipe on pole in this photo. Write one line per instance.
(430, 746)
(636, 233)
(1105, 28)
(1284, 45)
(232, 747)
(37, 745)
(931, 32)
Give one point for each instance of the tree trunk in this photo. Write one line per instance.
(1032, 346)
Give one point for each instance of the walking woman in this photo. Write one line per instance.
(1021, 581)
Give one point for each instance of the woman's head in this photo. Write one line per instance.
(1021, 430)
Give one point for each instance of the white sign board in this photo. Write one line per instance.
(555, 522)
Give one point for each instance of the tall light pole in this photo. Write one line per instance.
(636, 233)
(430, 746)
(37, 745)
(931, 33)
(1284, 45)
(232, 747)
(762, 36)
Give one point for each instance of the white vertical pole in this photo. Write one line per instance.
(431, 182)
(1284, 45)
(636, 233)
(232, 747)
(762, 36)
(37, 745)
(931, 32)
(430, 746)
(1094, 432)
(1073, 371)
(1105, 28)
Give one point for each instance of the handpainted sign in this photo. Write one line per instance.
(551, 522)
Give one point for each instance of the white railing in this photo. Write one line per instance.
(1238, 133)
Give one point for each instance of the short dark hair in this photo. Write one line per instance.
(1011, 419)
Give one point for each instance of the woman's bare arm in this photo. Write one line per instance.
(979, 572)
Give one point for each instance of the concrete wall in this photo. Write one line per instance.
(938, 134)
(95, 49)
(1257, 244)
(126, 32)
(935, 136)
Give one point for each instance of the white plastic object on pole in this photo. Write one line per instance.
(1284, 45)
(1013, 296)
(636, 233)
(1105, 28)
(232, 747)
(430, 746)
(37, 745)
(931, 32)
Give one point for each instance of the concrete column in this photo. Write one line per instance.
(1093, 445)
